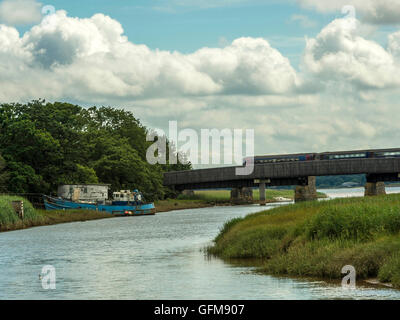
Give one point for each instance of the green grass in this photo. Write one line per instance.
(10, 221)
(216, 196)
(316, 239)
(8, 218)
(223, 196)
(180, 204)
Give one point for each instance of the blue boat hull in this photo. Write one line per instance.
(123, 210)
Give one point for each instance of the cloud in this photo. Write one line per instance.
(91, 59)
(371, 11)
(394, 44)
(340, 54)
(331, 103)
(247, 66)
(20, 12)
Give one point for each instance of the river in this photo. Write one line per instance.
(158, 257)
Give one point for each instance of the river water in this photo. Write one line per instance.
(158, 257)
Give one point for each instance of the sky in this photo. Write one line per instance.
(306, 75)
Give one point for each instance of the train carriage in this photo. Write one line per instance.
(336, 155)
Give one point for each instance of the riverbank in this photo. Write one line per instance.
(316, 239)
(224, 196)
(180, 204)
(9, 221)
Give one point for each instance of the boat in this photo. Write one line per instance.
(124, 206)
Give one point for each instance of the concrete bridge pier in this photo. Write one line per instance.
(241, 195)
(307, 191)
(262, 193)
(374, 189)
(261, 186)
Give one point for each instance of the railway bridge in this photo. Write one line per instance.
(299, 173)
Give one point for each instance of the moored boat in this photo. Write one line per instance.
(125, 203)
(52, 203)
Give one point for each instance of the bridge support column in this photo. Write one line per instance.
(374, 189)
(241, 195)
(307, 192)
(262, 193)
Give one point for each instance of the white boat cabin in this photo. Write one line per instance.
(84, 192)
(123, 195)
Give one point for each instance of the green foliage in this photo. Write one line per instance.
(226, 227)
(7, 214)
(390, 271)
(361, 221)
(318, 238)
(10, 221)
(48, 144)
(4, 176)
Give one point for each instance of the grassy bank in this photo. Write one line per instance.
(223, 196)
(316, 239)
(181, 204)
(9, 221)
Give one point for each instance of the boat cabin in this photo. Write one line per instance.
(123, 196)
(84, 192)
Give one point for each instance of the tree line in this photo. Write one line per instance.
(44, 145)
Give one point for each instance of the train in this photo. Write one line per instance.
(337, 155)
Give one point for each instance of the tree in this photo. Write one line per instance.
(48, 144)
(3, 175)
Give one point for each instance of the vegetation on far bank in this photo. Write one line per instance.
(10, 221)
(316, 239)
(181, 204)
(223, 196)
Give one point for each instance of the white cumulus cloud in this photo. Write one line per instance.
(20, 12)
(331, 103)
(372, 11)
(340, 53)
(91, 58)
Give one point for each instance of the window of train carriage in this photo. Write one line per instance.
(393, 153)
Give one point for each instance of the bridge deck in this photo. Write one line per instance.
(284, 173)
